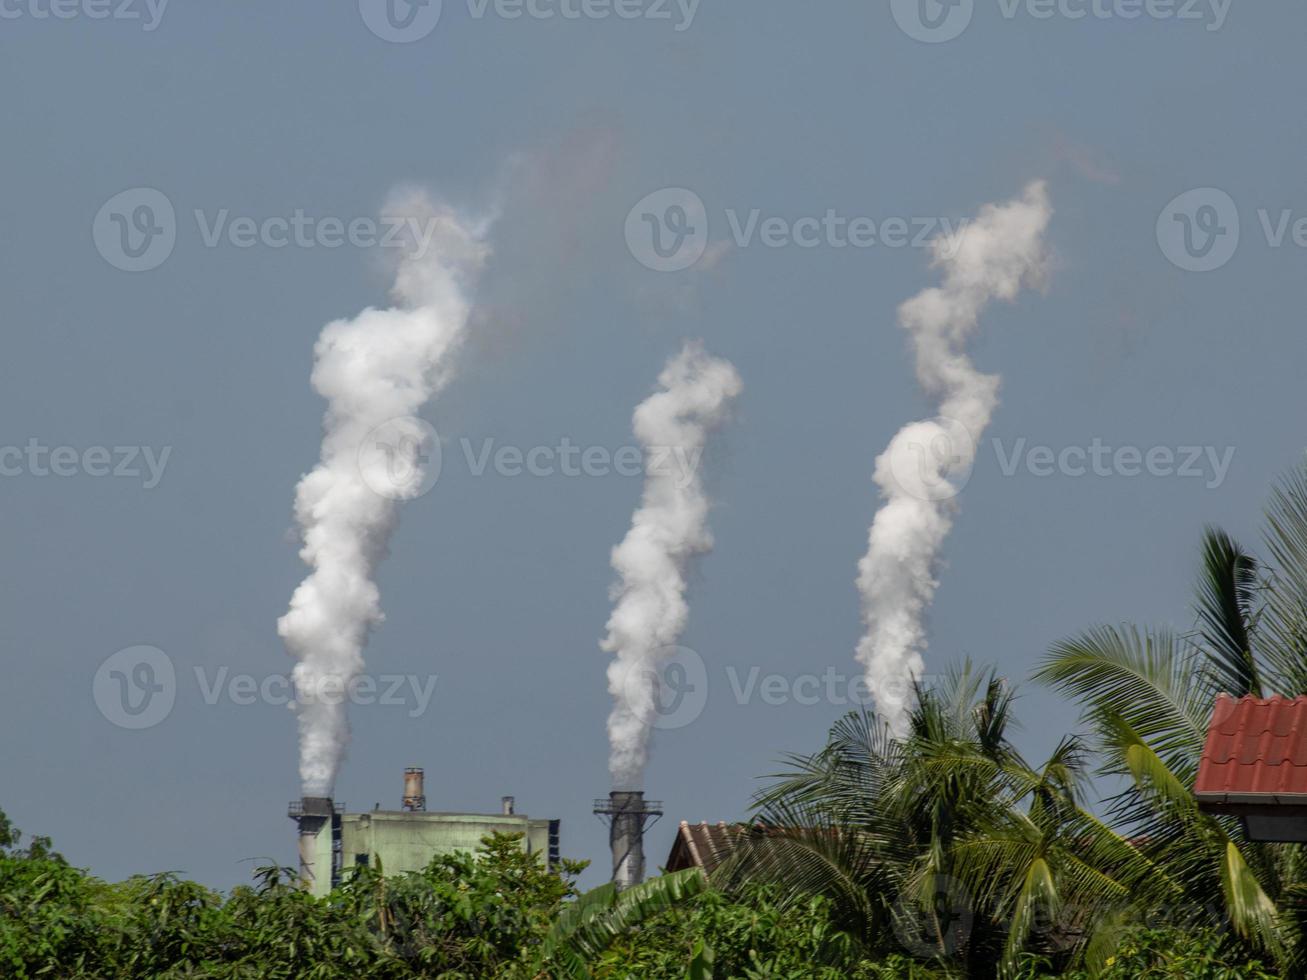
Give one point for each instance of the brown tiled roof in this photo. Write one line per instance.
(1256, 752)
(703, 845)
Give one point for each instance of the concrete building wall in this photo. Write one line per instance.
(320, 882)
(407, 841)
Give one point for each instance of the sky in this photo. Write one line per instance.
(1166, 133)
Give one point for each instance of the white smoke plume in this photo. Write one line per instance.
(990, 258)
(668, 530)
(376, 372)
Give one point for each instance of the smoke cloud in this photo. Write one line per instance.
(669, 529)
(376, 372)
(918, 474)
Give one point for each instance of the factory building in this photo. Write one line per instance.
(332, 840)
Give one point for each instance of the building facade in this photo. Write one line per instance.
(332, 840)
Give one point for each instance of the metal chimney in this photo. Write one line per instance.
(414, 795)
(628, 815)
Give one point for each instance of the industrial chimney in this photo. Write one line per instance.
(414, 795)
(312, 814)
(628, 814)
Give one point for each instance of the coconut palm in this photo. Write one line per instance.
(1148, 695)
(1008, 859)
(946, 843)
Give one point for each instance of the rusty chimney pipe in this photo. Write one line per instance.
(414, 794)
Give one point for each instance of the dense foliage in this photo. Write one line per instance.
(941, 854)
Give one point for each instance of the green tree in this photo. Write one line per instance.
(947, 844)
(1148, 695)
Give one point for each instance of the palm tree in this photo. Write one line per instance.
(947, 844)
(1148, 695)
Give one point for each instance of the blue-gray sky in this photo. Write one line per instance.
(496, 583)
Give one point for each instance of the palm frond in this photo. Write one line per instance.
(599, 918)
(1284, 618)
(1227, 597)
(1153, 681)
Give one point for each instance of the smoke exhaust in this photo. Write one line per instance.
(628, 815)
(992, 258)
(668, 531)
(376, 372)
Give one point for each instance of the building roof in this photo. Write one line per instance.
(1256, 752)
(703, 845)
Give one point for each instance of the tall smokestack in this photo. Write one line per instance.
(415, 797)
(628, 815)
(312, 814)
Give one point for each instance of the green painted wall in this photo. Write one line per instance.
(407, 841)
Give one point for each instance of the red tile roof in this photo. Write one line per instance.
(1256, 752)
